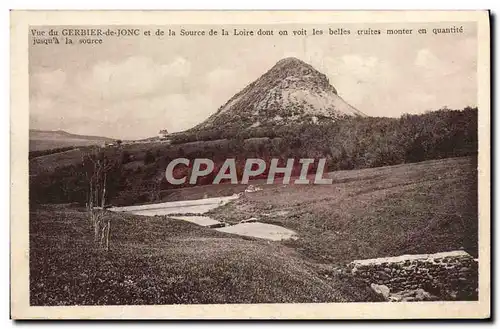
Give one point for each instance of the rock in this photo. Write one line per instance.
(381, 289)
(422, 280)
(421, 294)
(383, 275)
(252, 188)
(406, 293)
(408, 299)
(395, 298)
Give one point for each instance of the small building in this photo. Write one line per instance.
(163, 134)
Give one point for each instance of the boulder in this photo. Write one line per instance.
(421, 294)
(381, 290)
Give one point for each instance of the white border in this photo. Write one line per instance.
(19, 141)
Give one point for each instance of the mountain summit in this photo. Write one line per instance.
(291, 91)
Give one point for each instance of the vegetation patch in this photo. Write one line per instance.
(157, 260)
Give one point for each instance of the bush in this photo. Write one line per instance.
(149, 157)
(125, 157)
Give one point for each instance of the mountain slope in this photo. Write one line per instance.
(46, 139)
(291, 91)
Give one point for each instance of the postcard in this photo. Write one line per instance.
(250, 164)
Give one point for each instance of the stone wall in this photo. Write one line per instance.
(441, 276)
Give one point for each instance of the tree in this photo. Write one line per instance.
(149, 157)
(125, 157)
(155, 185)
(96, 167)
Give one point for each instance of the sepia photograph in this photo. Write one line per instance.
(273, 159)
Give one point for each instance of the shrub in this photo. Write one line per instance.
(149, 158)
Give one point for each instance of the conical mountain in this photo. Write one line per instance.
(291, 91)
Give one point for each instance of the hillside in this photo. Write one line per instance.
(160, 260)
(360, 142)
(45, 140)
(423, 207)
(412, 208)
(291, 91)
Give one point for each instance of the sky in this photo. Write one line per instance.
(132, 87)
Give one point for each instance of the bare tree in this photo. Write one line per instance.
(155, 187)
(96, 167)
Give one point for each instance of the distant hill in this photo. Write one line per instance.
(46, 139)
(290, 92)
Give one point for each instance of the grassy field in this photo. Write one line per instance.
(423, 207)
(413, 208)
(158, 260)
(51, 162)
